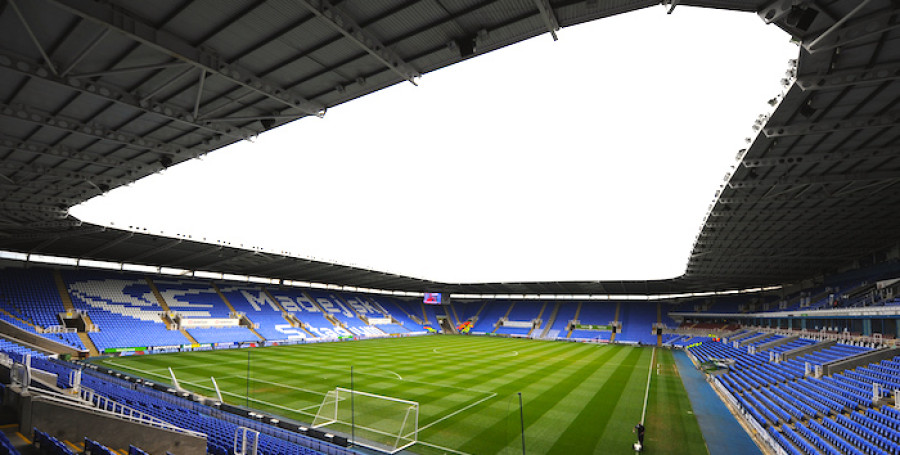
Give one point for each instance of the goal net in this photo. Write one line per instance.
(378, 422)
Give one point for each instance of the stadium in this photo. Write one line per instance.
(780, 337)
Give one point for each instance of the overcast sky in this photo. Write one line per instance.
(591, 158)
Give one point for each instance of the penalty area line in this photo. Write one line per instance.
(492, 395)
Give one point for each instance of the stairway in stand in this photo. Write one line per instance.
(70, 308)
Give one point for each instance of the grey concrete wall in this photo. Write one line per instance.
(38, 341)
(794, 353)
(860, 360)
(66, 422)
(776, 343)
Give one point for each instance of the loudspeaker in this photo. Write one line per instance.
(806, 110)
(466, 47)
(314, 433)
(801, 17)
(659, 331)
(614, 329)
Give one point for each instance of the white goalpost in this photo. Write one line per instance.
(378, 422)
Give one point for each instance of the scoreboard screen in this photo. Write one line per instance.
(433, 298)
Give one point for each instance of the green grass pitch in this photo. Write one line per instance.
(578, 398)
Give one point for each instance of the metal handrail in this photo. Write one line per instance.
(128, 413)
(91, 401)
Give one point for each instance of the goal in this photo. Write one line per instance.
(378, 422)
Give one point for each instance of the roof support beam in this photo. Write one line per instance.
(31, 35)
(70, 154)
(345, 25)
(857, 123)
(101, 132)
(786, 252)
(168, 83)
(841, 155)
(39, 171)
(133, 27)
(129, 69)
(33, 208)
(844, 78)
(84, 52)
(117, 95)
(200, 85)
(549, 17)
(870, 188)
(56, 235)
(852, 32)
(834, 178)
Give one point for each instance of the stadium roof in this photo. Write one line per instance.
(95, 95)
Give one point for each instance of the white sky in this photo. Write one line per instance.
(591, 158)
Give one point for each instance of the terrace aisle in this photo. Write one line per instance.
(723, 434)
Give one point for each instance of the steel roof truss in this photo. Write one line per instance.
(121, 96)
(833, 178)
(68, 154)
(853, 31)
(841, 155)
(836, 79)
(549, 16)
(84, 52)
(347, 26)
(102, 132)
(175, 46)
(31, 35)
(856, 123)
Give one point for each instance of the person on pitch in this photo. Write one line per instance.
(639, 429)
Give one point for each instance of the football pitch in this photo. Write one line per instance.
(577, 398)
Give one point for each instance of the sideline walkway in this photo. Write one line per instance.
(723, 434)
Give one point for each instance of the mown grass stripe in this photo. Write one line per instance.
(492, 439)
(587, 426)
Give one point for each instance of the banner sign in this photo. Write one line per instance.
(111, 350)
(592, 327)
(209, 323)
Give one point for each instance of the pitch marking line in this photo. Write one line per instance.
(647, 392)
(395, 374)
(225, 392)
(150, 372)
(304, 409)
(446, 449)
(492, 395)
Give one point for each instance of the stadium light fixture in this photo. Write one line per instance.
(208, 275)
(52, 259)
(139, 268)
(173, 271)
(13, 256)
(99, 264)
